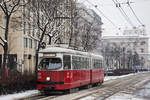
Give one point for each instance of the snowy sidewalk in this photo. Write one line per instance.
(18, 95)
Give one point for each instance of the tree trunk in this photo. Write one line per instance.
(5, 57)
(39, 45)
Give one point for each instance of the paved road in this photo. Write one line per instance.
(143, 91)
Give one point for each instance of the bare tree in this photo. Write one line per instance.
(47, 20)
(8, 7)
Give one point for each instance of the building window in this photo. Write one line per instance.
(135, 43)
(143, 42)
(29, 28)
(30, 43)
(35, 44)
(29, 24)
(33, 27)
(25, 42)
(142, 50)
(128, 43)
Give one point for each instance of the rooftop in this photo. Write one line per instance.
(68, 51)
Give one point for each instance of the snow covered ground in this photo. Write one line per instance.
(144, 91)
(107, 78)
(143, 94)
(18, 95)
(118, 96)
(122, 96)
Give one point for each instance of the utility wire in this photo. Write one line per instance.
(118, 5)
(101, 13)
(128, 2)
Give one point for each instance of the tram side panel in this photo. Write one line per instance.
(97, 73)
(85, 77)
(95, 76)
(102, 76)
(76, 78)
(68, 79)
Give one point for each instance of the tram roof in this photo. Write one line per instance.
(69, 51)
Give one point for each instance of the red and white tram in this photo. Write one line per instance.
(64, 69)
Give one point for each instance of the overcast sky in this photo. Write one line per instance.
(141, 8)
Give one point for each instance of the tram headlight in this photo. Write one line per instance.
(48, 78)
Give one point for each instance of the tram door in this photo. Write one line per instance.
(67, 62)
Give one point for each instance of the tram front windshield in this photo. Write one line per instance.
(50, 64)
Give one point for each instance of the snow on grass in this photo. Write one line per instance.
(18, 95)
(116, 77)
(106, 78)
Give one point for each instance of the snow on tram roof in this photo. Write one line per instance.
(65, 50)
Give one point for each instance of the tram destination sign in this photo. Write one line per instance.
(49, 54)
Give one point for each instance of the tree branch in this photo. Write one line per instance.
(12, 11)
(2, 39)
(2, 27)
(15, 5)
(3, 8)
(2, 45)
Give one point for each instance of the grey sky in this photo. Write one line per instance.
(141, 8)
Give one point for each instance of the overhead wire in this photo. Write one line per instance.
(118, 5)
(128, 2)
(101, 13)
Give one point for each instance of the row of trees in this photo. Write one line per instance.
(121, 58)
(53, 19)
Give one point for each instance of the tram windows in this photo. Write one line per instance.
(67, 62)
(94, 63)
(84, 64)
(50, 64)
(75, 62)
(81, 63)
(88, 63)
(97, 64)
(100, 64)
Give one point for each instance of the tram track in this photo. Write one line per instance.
(126, 85)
